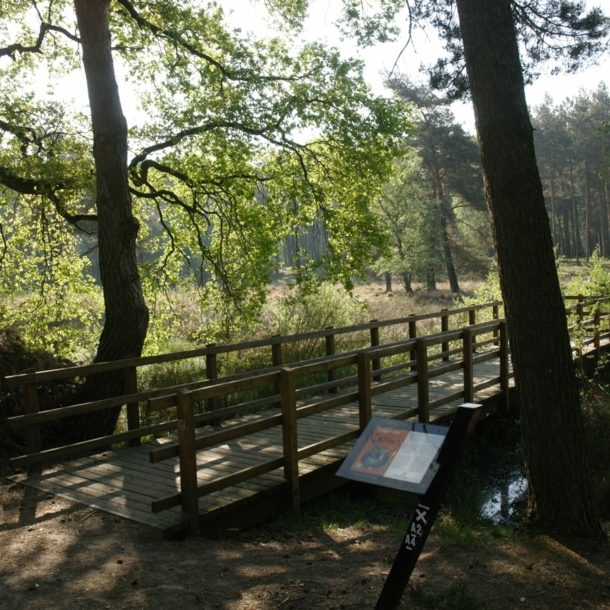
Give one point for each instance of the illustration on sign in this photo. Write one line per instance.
(379, 451)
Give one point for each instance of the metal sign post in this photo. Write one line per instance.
(423, 517)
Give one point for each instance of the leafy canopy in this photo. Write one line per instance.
(238, 140)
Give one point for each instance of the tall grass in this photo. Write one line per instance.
(292, 313)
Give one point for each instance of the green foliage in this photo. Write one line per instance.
(410, 218)
(596, 282)
(45, 286)
(301, 312)
(487, 292)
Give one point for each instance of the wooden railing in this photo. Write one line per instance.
(31, 381)
(592, 315)
(592, 321)
(490, 339)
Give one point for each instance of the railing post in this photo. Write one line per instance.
(495, 314)
(130, 386)
(330, 351)
(188, 460)
(364, 389)
(375, 362)
(504, 363)
(580, 314)
(423, 389)
(276, 360)
(579, 307)
(289, 435)
(413, 335)
(444, 329)
(468, 347)
(596, 321)
(32, 431)
(211, 371)
(472, 320)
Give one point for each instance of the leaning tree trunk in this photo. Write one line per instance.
(126, 313)
(555, 455)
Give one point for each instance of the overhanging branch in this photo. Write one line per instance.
(36, 47)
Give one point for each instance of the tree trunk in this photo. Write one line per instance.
(126, 313)
(430, 279)
(574, 216)
(388, 282)
(565, 249)
(555, 454)
(406, 282)
(443, 212)
(588, 248)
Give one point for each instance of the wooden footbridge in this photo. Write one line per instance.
(236, 450)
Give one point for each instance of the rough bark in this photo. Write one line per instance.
(126, 313)
(555, 455)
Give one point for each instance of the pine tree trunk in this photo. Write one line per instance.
(588, 248)
(406, 282)
(555, 454)
(447, 255)
(574, 217)
(443, 212)
(388, 282)
(126, 313)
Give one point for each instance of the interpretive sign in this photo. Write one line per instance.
(418, 458)
(395, 453)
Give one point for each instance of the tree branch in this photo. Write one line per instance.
(35, 48)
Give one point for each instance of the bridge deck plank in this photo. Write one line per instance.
(123, 481)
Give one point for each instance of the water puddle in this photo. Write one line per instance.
(501, 507)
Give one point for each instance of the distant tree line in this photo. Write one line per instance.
(572, 146)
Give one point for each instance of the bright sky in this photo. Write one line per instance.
(250, 16)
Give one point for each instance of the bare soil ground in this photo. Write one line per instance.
(56, 554)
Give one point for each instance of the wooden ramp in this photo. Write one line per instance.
(124, 482)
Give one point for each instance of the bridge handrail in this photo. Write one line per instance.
(165, 397)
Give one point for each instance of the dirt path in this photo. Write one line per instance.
(56, 554)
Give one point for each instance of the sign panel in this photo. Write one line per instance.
(394, 453)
